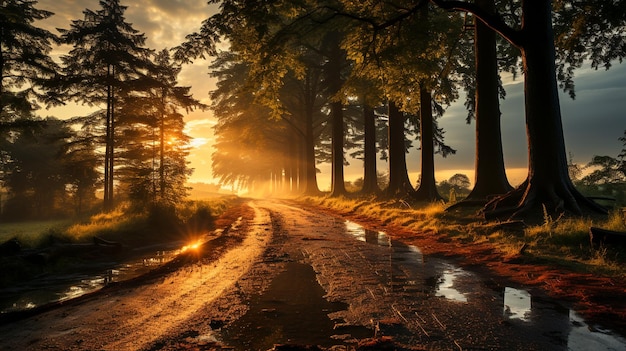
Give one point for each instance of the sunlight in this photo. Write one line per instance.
(191, 247)
(197, 142)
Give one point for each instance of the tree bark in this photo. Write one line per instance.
(490, 174)
(310, 179)
(336, 58)
(427, 190)
(370, 176)
(399, 182)
(548, 185)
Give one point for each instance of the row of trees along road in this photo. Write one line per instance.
(135, 140)
(322, 69)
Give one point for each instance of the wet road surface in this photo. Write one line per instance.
(304, 277)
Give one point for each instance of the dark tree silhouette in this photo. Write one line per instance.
(548, 183)
(490, 175)
(25, 64)
(107, 56)
(399, 182)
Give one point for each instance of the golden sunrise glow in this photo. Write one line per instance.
(191, 247)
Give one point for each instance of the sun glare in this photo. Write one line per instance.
(191, 247)
(197, 142)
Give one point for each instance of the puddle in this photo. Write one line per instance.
(578, 335)
(93, 276)
(517, 304)
(366, 235)
(445, 287)
(292, 310)
(544, 318)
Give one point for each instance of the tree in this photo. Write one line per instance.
(548, 182)
(248, 145)
(152, 144)
(410, 49)
(107, 58)
(25, 64)
(80, 161)
(35, 170)
(399, 182)
(490, 175)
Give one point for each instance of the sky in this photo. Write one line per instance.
(592, 123)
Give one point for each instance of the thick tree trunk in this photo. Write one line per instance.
(370, 177)
(548, 184)
(399, 182)
(308, 174)
(490, 175)
(427, 190)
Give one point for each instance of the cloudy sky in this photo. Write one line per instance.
(592, 123)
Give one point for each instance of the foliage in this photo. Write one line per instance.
(25, 64)
(457, 187)
(107, 62)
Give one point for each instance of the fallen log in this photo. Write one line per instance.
(606, 236)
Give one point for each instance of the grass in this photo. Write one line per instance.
(562, 241)
(32, 233)
(126, 225)
(122, 224)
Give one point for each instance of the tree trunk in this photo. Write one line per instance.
(108, 174)
(162, 147)
(370, 176)
(309, 150)
(338, 184)
(427, 190)
(399, 182)
(548, 184)
(333, 75)
(490, 175)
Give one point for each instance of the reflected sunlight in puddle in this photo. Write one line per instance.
(517, 304)
(446, 286)
(370, 236)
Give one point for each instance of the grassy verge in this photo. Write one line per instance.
(556, 241)
(122, 224)
(38, 253)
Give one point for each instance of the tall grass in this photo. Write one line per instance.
(32, 233)
(125, 224)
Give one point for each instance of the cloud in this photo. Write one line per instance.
(165, 22)
(592, 123)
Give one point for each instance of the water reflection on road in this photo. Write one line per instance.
(519, 308)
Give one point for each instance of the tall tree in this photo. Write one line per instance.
(548, 182)
(169, 99)
(108, 55)
(25, 64)
(490, 176)
(399, 182)
(334, 83)
(35, 171)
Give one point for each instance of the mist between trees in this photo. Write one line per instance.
(300, 84)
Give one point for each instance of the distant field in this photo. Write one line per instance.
(31, 232)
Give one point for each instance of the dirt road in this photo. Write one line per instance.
(285, 274)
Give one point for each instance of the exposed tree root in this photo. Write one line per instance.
(529, 199)
(467, 203)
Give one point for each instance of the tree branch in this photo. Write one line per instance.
(492, 21)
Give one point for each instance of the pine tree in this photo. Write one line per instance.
(108, 57)
(25, 63)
